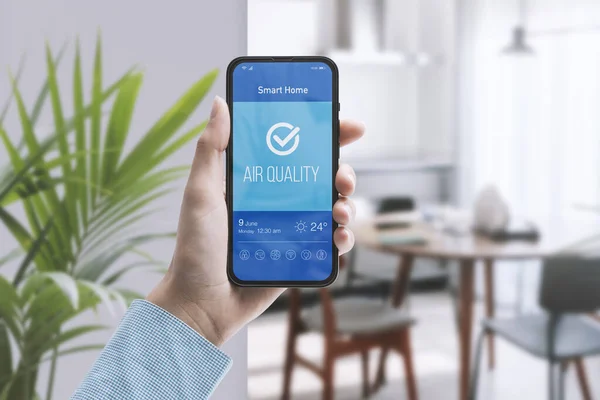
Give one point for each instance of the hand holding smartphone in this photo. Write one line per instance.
(282, 159)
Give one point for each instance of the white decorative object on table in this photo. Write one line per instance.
(491, 211)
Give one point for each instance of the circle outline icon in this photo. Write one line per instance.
(321, 255)
(300, 226)
(282, 152)
(306, 255)
(244, 255)
(259, 254)
(275, 255)
(290, 254)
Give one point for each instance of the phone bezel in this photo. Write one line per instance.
(335, 165)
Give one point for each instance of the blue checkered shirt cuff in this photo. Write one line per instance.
(154, 355)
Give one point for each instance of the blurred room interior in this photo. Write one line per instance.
(479, 113)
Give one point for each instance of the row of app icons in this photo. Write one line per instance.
(289, 254)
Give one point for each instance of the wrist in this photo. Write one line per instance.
(186, 310)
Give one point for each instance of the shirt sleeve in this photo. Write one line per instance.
(154, 355)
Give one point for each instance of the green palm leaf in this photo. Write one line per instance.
(96, 119)
(93, 269)
(9, 100)
(71, 334)
(12, 255)
(17, 229)
(66, 284)
(41, 98)
(9, 301)
(82, 196)
(114, 277)
(194, 133)
(34, 251)
(118, 125)
(58, 237)
(163, 130)
(80, 137)
(65, 220)
(103, 293)
(5, 356)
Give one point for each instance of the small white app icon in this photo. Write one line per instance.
(300, 226)
(321, 254)
(281, 145)
(259, 254)
(306, 255)
(244, 255)
(275, 255)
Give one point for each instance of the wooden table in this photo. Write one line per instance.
(467, 250)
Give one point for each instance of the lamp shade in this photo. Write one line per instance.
(518, 44)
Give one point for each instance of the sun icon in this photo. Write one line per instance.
(300, 226)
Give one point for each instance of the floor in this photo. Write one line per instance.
(517, 375)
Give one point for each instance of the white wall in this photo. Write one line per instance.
(176, 42)
(529, 125)
(407, 108)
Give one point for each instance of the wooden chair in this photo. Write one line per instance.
(349, 326)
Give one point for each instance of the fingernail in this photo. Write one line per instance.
(215, 107)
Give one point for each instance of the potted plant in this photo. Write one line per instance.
(82, 195)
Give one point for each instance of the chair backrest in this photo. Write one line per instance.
(385, 205)
(570, 284)
(295, 311)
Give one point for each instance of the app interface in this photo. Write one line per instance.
(282, 171)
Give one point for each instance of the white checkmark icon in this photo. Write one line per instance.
(283, 145)
(287, 139)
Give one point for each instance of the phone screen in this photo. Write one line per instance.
(282, 152)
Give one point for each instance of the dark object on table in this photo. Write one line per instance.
(516, 230)
(395, 204)
(390, 225)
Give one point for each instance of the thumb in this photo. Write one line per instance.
(206, 175)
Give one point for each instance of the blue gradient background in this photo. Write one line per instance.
(296, 74)
(251, 121)
(278, 206)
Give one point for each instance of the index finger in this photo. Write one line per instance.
(350, 131)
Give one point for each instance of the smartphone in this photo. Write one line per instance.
(282, 158)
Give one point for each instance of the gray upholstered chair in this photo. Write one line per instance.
(570, 289)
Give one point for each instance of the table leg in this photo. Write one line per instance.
(489, 307)
(402, 281)
(467, 273)
(399, 291)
